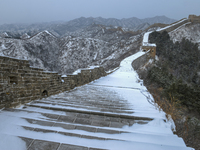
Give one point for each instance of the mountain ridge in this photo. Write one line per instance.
(98, 45)
(60, 28)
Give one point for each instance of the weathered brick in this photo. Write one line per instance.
(29, 83)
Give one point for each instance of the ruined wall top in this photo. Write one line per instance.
(194, 18)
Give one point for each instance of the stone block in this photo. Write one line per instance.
(44, 145)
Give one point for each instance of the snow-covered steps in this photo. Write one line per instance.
(48, 129)
(97, 116)
(95, 120)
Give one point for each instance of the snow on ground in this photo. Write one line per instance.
(146, 35)
(181, 26)
(190, 32)
(126, 84)
(79, 70)
(146, 39)
(171, 25)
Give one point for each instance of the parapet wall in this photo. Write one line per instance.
(20, 83)
(176, 25)
(141, 61)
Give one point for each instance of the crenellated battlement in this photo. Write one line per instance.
(20, 83)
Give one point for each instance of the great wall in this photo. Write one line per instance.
(20, 83)
(151, 48)
(110, 113)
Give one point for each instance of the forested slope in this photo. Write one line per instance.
(174, 82)
(177, 69)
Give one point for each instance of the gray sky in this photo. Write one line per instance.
(30, 11)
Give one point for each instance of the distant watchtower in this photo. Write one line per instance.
(149, 47)
(194, 18)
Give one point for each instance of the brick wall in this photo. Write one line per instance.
(20, 83)
(151, 49)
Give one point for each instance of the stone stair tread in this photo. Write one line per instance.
(89, 144)
(71, 125)
(81, 118)
(100, 143)
(133, 137)
(90, 106)
(150, 140)
(84, 127)
(53, 118)
(82, 106)
(32, 144)
(45, 127)
(81, 100)
(111, 114)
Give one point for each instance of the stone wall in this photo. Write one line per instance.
(20, 83)
(173, 27)
(151, 49)
(141, 61)
(194, 18)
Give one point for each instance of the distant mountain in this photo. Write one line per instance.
(158, 19)
(61, 28)
(95, 45)
(66, 47)
(131, 23)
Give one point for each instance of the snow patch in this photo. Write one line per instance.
(171, 25)
(63, 76)
(3, 47)
(95, 56)
(79, 70)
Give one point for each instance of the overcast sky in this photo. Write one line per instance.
(31, 11)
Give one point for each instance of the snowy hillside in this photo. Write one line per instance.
(81, 52)
(98, 45)
(42, 50)
(189, 31)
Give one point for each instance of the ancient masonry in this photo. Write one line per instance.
(152, 47)
(141, 61)
(20, 83)
(194, 19)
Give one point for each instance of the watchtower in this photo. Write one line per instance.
(194, 18)
(149, 47)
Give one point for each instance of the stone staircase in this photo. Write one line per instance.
(94, 121)
(111, 113)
